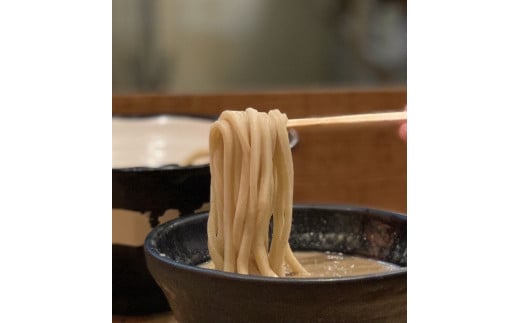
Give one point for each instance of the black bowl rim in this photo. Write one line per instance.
(293, 141)
(153, 252)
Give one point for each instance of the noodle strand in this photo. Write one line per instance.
(251, 184)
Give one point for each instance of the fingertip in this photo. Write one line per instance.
(402, 131)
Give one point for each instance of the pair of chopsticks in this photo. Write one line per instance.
(385, 117)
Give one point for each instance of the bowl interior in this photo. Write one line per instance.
(155, 141)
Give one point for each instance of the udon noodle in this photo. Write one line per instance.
(251, 185)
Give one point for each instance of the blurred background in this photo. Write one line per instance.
(207, 46)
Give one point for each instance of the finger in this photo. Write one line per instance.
(402, 131)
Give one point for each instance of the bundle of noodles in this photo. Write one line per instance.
(251, 182)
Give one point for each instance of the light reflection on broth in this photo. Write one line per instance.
(329, 264)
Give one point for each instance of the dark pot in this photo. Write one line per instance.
(201, 295)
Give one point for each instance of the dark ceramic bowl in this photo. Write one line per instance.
(203, 295)
(154, 190)
(165, 186)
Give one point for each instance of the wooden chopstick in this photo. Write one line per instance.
(349, 119)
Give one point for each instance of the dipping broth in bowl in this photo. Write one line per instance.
(331, 264)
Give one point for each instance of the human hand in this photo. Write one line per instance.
(402, 129)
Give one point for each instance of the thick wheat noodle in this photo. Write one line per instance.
(194, 156)
(251, 183)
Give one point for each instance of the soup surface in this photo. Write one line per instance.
(329, 264)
